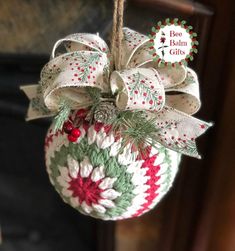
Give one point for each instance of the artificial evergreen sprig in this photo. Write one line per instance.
(65, 107)
(63, 114)
(135, 128)
(95, 95)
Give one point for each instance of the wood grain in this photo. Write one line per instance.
(175, 228)
(139, 234)
(216, 225)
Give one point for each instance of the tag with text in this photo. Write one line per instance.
(172, 42)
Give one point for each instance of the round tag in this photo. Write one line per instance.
(173, 42)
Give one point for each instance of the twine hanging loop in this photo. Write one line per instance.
(117, 33)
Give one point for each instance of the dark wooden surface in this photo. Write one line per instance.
(188, 216)
(216, 222)
(174, 218)
(215, 229)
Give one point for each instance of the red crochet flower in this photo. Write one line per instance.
(87, 187)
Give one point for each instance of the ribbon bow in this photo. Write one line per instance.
(169, 93)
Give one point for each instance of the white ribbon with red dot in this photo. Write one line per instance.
(169, 93)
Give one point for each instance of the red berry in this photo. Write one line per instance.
(71, 138)
(81, 113)
(76, 132)
(68, 127)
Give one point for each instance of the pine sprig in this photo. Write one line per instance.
(95, 95)
(63, 114)
(136, 129)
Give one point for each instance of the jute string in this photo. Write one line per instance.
(117, 33)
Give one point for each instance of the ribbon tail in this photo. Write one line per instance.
(178, 131)
(37, 108)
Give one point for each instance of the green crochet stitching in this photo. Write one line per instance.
(97, 156)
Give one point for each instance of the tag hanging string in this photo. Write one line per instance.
(117, 33)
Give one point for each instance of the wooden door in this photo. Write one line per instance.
(188, 218)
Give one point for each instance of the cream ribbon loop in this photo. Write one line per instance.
(171, 94)
(138, 89)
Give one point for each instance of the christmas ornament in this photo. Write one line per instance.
(95, 177)
(121, 123)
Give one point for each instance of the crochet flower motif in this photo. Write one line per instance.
(86, 186)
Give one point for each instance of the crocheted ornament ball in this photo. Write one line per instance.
(96, 178)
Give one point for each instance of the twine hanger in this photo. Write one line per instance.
(117, 33)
